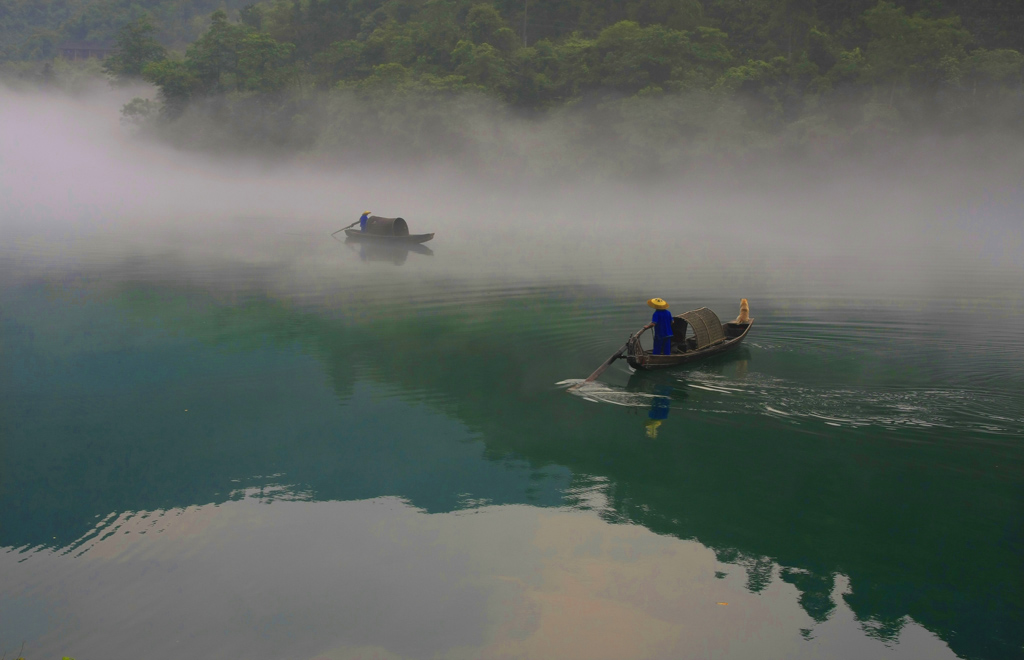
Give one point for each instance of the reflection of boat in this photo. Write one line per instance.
(387, 231)
(408, 239)
(396, 253)
(696, 334)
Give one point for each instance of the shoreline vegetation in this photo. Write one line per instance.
(643, 86)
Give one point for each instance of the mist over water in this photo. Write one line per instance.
(213, 410)
(915, 221)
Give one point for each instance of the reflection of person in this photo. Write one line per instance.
(660, 406)
(362, 220)
(662, 321)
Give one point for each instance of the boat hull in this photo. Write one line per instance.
(735, 333)
(357, 235)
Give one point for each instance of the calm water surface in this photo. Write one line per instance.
(372, 454)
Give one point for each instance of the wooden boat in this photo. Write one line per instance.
(696, 335)
(387, 230)
(408, 239)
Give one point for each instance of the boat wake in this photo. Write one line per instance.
(598, 392)
(962, 410)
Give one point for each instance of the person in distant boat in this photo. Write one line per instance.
(362, 220)
(662, 322)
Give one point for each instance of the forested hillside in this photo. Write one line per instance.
(33, 29)
(753, 67)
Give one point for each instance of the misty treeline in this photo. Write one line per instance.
(643, 83)
(33, 30)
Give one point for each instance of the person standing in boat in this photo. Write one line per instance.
(662, 322)
(362, 220)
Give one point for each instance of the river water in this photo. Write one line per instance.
(258, 441)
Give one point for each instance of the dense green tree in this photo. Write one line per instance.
(176, 82)
(482, 65)
(251, 16)
(994, 79)
(912, 52)
(1003, 68)
(215, 54)
(228, 57)
(483, 21)
(342, 60)
(263, 63)
(136, 48)
(632, 57)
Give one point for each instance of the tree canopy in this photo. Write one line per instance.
(844, 63)
(778, 56)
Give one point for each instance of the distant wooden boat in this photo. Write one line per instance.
(357, 235)
(387, 230)
(707, 336)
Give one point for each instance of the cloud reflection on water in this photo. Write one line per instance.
(378, 575)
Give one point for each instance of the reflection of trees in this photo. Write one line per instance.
(815, 591)
(911, 524)
(759, 574)
(900, 519)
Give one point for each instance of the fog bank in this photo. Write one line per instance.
(72, 175)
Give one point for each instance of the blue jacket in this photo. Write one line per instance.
(662, 321)
(362, 222)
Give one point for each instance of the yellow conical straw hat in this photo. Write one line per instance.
(657, 303)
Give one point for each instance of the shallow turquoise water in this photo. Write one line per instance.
(372, 453)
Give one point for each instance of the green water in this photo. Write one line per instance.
(379, 456)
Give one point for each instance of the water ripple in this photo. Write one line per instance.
(952, 409)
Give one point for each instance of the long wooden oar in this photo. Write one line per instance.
(607, 363)
(600, 370)
(344, 228)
